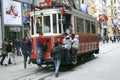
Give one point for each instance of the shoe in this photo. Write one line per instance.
(9, 63)
(25, 67)
(15, 63)
(1, 64)
(56, 75)
(5, 64)
(74, 63)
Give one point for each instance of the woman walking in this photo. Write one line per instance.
(26, 50)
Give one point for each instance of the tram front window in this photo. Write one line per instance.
(46, 24)
(54, 24)
(39, 25)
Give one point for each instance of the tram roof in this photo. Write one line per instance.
(72, 11)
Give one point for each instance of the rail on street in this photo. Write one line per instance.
(104, 66)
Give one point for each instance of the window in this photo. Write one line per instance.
(54, 24)
(87, 26)
(39, 25)
(59, 18)
(80, 24)
(114, 1)
(93, 27)
(46, 24)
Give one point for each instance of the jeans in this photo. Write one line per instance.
(67, 56)
(57, 65)
(39, 55)
(25, 60)
(3, 58)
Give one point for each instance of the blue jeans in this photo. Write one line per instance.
(67, 56)
(39, 55)
(57, 65)
(3, 58)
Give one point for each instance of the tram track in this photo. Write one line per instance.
(43, 73)
(40, 74)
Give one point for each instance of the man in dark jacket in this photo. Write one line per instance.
(56, 53)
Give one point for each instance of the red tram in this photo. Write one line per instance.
(58, 18)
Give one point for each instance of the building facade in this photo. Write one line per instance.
(110, 18)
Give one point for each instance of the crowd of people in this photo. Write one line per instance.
(23, 48)
(11, 48)
(113, 39)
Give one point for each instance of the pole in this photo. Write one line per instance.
(2, 20)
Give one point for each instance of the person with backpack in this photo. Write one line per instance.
(56, 54)
(26, 50)
(75, 47)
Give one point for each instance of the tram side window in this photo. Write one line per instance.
(80, 24)
(54, 24)
(87, 26)
(93, 27)
(46, 24)
(39, 25)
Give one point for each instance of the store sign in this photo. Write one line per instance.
(14, 29)
(12, 12)
(44, 4)
(47, 3)
(84, 8)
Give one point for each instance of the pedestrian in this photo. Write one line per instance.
(26, 50)
(56, 54)
(39, 43)
(10, 49)
(18, 47)
(75, 47)
(67, 47)
(4, 51)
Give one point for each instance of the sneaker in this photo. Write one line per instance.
(74, 63)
